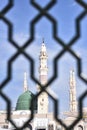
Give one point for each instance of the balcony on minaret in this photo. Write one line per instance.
(43, 55)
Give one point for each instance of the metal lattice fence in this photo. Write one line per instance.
(21, 50)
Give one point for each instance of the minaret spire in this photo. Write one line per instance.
(43, 40)
(25, 82)
(73, 101)
(43, 72)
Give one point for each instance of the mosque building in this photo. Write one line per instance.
(43, 119)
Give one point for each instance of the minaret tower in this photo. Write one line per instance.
(43, 71)
(25, 82)
(73, 101)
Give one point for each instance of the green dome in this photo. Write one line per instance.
(24, 101)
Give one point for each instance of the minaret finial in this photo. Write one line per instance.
(25, 82)
(72, 78)
(43, 39)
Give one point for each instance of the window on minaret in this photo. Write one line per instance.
(80, 127)
(42, 99)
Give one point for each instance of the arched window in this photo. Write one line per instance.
(50, 127)
(80, 127)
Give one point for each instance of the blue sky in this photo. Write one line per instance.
(20, 15)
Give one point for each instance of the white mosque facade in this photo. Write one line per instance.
(43, 119)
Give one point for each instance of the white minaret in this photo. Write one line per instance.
(73, 101)
(25, 82)
(43, 71)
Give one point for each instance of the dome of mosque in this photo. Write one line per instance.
(24, 101)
